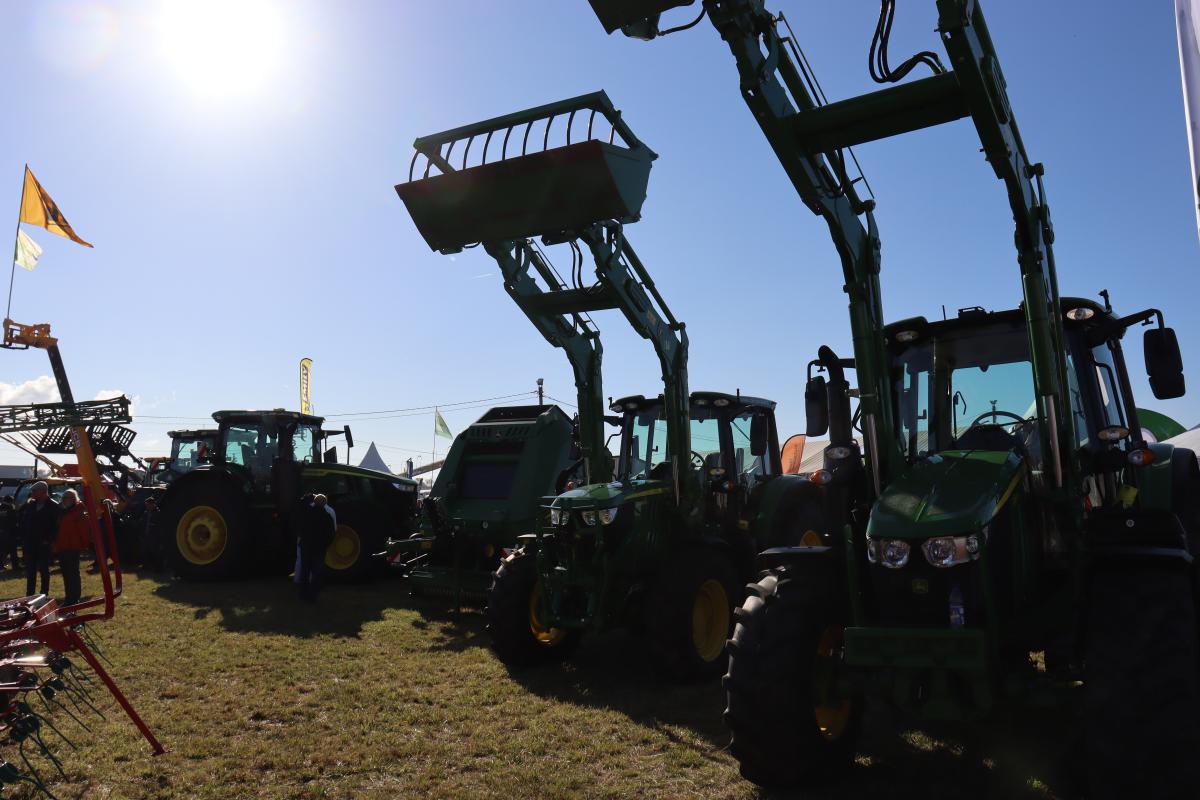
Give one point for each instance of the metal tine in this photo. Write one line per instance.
(37, 737)
(44, 720)
(48, 700)
(36, 780)
(41, 787)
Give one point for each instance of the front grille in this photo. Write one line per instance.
(918, 594)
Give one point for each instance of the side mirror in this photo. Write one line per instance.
(349, 437)
(759, 431)
(330, 456)
(816, 407)
(1164, 364)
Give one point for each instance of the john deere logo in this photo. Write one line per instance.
(920, 586)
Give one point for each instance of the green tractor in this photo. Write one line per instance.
(1007, 534)
(228, 517)
(664, 542)
(487, 493)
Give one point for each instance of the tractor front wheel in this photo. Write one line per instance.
(1141, 725)
(358, 537)
(514, 616)
(790, 727)
(690, 615)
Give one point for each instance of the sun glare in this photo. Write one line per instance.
(223, 49)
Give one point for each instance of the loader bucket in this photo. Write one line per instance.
(508, 192)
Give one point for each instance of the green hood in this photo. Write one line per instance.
(948, 494)
(609, 495)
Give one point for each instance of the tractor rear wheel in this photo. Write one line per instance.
(689, 614)
(789, 727)
(514, 610)
(1141, 724)
(204, 530)
(359, 535)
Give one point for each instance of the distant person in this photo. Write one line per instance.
(8, 532)
(316, 529)
(38, 527)
(148, 543)
(74, 535)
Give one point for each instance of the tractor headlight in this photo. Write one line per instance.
(607, 515)
(948, 551)
(588, 517)
(556, 517)
(891, 553)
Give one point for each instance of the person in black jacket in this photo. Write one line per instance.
(314, 534)
(38, 528)
(8, 532)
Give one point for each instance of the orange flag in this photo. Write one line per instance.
(38, 208)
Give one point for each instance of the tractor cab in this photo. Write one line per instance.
(733, 439)
(189, 450)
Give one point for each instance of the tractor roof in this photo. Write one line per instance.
(193, 433)
(273, 415)
(511, 414)
(700, 398)
(969, 318)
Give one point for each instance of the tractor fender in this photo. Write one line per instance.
(1140, 535)
(779, 500)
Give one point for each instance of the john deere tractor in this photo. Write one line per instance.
(664, 542)
(229, 516)
(1006, 534)
(487, 493)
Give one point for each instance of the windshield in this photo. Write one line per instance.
(186, 454)
(644, 444)
(970, 390)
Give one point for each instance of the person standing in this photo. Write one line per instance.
(315, 535)
(148, 546)
(8, 532)
(38, 527)
(74, 535)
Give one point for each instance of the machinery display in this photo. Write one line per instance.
(1006, 534)
(663, 542)
(39, 637)
(487, 494)
(229, 516)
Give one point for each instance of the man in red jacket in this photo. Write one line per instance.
(74, 535)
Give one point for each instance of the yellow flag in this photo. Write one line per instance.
(38, 208)
(305, 386)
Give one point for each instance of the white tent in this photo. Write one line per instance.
(372, 460)
(1189, 439)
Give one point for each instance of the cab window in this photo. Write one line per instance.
(746, 464)
(1110, 393)
(304, 444)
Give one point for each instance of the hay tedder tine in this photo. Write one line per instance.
(96, 666)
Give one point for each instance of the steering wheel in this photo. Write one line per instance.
(1017, 419)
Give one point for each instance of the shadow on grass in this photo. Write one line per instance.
(271, 605)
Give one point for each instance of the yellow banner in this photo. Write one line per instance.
(305, 386)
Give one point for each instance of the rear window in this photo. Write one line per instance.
(487, 480)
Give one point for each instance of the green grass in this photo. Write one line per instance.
(372, 694)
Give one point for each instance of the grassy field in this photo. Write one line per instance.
(372, 694)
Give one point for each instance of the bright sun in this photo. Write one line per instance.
(223, 48)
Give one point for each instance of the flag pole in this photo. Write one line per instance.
(435, 416)
(12, 272)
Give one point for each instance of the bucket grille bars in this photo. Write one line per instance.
(505, 180)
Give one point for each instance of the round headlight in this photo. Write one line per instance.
(556, 516)
(839, 452)
(906, 336)
(721, 402)
(894, 553)
(1080, 313)
(1113, 433)
(940, 551)
(607, 515)
(588, 517)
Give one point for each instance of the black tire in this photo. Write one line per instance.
(360, 534)
(1141, 721)
(194, 508)
(511, 620)
(771, 694)
(689, 614)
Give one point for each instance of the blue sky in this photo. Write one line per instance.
(244, 216)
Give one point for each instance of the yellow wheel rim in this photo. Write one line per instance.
(201, 535)
(811, 539)
(343, 552)
(833, 717)
(710, 620)
(547, 637)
